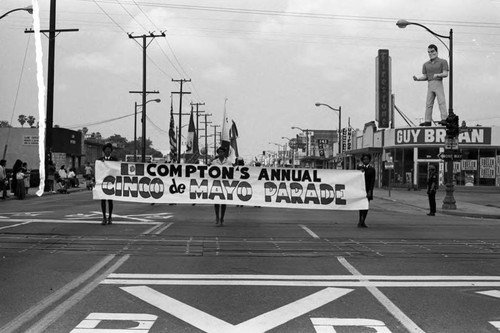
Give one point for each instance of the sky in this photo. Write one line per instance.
(271, 60)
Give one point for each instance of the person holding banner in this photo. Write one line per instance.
(107, 149)
(369, 173)
(220, 160)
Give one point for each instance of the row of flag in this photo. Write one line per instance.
(228, 139)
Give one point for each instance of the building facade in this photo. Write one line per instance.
(402, 155)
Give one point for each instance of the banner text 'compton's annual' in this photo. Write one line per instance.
(236, 185)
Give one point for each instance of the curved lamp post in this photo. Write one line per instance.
(339, 110)
(276, 144)
(307, 137)
(293, 160)
(28, 9)
(449, 200)
(157, 100)
(404, 23)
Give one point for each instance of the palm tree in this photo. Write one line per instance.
(22, 119)
(31, 120)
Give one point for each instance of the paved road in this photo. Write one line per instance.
(169, 269)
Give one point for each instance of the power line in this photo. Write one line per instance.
(112, 20)
(310, 15)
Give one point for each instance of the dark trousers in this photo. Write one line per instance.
(3, 188)
(432, 201)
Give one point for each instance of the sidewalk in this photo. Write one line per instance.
(478, 203)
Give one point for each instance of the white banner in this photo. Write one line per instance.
(238, 185)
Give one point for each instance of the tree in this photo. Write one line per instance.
(22, 119)
(4, 124)
(31, 120)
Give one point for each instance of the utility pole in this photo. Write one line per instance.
(135, 125)
(145, 45)
(49, 118)
(206, 122)
(197, 115)
(181, 81)
(215, 138)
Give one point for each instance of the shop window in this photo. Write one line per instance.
(428, 153)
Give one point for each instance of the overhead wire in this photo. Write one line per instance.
(17, 95)
(172, 51)
(123, 30)
(310, 15)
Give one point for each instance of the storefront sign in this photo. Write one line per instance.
(383, 89)
(487, 167)
(498, 170)
(30, 140)
(470, 165)
(346, 139)
(411, 136)
(251, 186)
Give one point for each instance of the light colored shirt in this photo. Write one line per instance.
(62, 173)
(217, 161)
(436, 66)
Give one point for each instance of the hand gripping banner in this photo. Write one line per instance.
(233, 185)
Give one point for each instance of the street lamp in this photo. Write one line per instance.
(449, 200)
(291, 148)
(339, 110)
(307, 137)
(276, 144)
(157, 100)
(29, 9)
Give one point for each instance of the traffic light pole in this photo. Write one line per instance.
(451, 146)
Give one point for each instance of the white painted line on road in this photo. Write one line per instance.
(15, 225)
(261, 323)
(57, 312)
(309, 231)
(34, 311)
(302, 277)
(73, 221)
(164, 228)
(492, 293)
(160, 230)
(188, 245)
(384, 300)
(277, 317)
(150, 230)
(189, 314)
(143, 322)
(305, 283)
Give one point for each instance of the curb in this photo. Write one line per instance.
(446, 212)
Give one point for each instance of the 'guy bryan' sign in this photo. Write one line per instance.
(477, 135)
(236, 185)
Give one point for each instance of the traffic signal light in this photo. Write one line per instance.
(452, 126)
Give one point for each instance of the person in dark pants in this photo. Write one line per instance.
(432, 185)
(220, 160)
(369, 173)
(107, 149)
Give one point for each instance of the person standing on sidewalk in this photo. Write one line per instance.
(107, 149)
(3, 180)
(432, 185)
(369, 173)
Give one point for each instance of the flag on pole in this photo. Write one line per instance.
(233, 135)
(225, 136)
(171, 134)
(192, 150)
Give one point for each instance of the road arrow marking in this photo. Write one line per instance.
(211, 324)
(492, 293)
